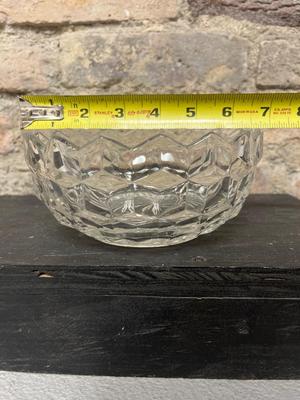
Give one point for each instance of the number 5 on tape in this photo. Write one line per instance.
(161, 111)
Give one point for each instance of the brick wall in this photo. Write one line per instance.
(91, 46)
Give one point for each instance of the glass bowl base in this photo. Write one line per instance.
(156, 234)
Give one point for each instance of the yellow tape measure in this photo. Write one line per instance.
(161, 111)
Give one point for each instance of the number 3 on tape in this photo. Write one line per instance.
(161, 111)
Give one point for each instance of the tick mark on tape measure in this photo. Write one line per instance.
(171, 111)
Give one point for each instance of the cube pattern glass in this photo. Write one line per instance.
(143, 188)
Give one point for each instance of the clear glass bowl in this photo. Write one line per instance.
(143, 188)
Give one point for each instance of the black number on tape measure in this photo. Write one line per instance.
(154, 112)
(227, 111)
(51, 102)
(84, 113)
(190, 111)
(120, 112)
(298, 111)
(266, 109)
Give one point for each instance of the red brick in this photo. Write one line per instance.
(279, 12)
(164, 61)
(2, 18)
(279, 64)
(28, 63)
(85, 11)
(279, 169)
(6, 141)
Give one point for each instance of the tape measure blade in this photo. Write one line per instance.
(170, 111)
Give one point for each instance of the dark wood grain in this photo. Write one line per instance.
(142, 336)
(256, 254)
(225, 305)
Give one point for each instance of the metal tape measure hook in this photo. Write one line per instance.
(30, 113)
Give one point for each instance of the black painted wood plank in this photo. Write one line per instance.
(159, 337)
(266, 232)
(225, 305)
(256, 254)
